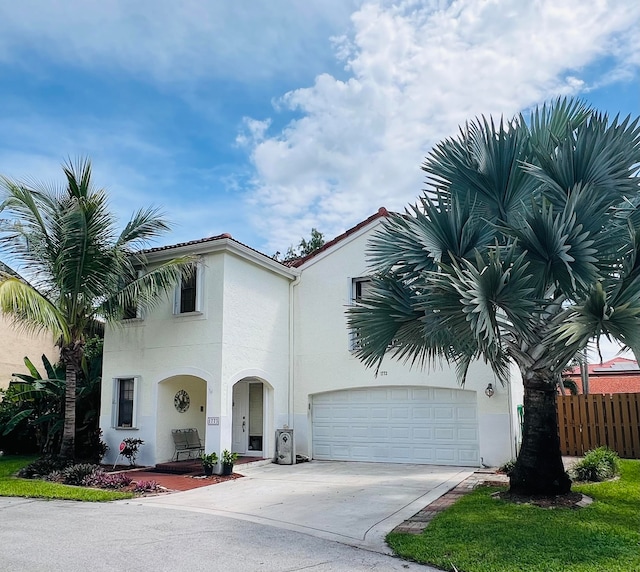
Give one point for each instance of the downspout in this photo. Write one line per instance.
(511, 408)
(290, 396)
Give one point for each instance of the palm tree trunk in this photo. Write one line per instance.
(67, 447)
(539, 469)
(71, 356)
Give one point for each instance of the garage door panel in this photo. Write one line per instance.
(400, 394)
(403, 425)
(421, 413)
(446, 413)
(444, 434)
(422, 434)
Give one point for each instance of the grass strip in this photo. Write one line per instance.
(11, 486)
(483, 534)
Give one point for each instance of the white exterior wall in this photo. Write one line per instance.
(255, 342)
(324, 363)
(241, 332)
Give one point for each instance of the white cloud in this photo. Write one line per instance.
(174, 41)
(416, 72)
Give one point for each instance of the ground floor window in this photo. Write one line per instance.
(124, 402)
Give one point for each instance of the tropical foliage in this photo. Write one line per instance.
(523, 248)
(305, 247)
(81, 270)
(32, 410)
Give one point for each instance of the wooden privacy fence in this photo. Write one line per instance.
(589, 421)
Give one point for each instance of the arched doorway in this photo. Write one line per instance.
(251, 417)
(182, 401)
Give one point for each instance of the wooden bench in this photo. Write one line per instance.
(186, 441)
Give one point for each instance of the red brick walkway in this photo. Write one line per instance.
(179, 482)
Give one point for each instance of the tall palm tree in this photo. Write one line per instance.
(523, 249)
(81, 271)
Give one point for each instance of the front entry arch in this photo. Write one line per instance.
(181, 405)
(251, 417)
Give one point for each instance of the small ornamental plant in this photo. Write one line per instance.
(229, 458)
(146, 487)
(209, 461)
(130, 449)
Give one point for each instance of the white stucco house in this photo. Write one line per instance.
(250, 345)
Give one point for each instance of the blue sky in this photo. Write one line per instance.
(264, 119)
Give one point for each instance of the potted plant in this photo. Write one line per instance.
(209, 461)
(228, 460)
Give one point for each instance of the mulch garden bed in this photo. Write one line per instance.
(569, 500)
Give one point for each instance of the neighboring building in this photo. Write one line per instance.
(618, 375)
(251, 345)
(16, 344)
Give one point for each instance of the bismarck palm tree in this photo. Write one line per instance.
(81, 271)
(523, 249)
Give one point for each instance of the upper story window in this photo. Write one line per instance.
(188, 294)
(188, 297)
(360, 288)
(130, 313)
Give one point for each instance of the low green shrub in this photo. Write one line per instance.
(75, 474)
(40, 468)
(508, 467)
(597, 465)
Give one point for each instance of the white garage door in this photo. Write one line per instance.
(397, 425)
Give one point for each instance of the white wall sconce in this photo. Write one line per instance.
(489, 391)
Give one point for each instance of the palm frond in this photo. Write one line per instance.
(483, 164)
(30, 309)
(145, 225)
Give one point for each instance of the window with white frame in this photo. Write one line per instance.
(359, 289)
(188, 296)
(124, 402)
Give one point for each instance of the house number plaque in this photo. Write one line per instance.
(213, 420)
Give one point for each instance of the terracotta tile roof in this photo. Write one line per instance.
(613, 366)
(224, 236)
(300, 261)
(618, 375)
(189, 243)
(290, 263)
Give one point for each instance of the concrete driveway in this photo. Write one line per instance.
(352, 503)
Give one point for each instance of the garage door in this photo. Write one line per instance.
(396, 425)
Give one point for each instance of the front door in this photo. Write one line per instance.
(248, 418)
(240, 418)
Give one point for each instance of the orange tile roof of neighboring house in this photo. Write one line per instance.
(612, 366)
(617, 375)
(300, 261)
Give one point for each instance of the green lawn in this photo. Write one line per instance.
(482, 534)
(11, 486)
